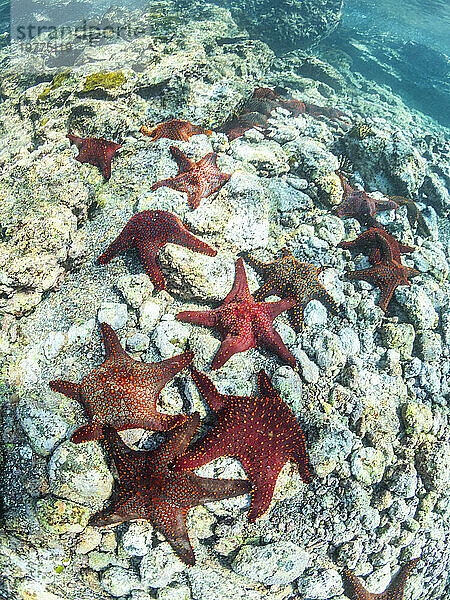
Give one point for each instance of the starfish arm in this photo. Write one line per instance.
(105, 168)
(123, 242)
(126, 507)
(211, 490)
(154, 134)
(396, 588)
(298, 315)
(162, 372)
(193, 199)
(353, 586)
(230, 346)
(271, 340)
(178, 440)
(381, 205)
(87, 433)
(267, 289)
(256, 264)
(183, 162)
(273, 309)
(404, 249)
(326, 299)
(147, 251)
(113, 347)
(386, 293)
(240, 289)
(208, 390)
(170, 519)
(207, 318)
(263, 478)
(207, 449)
(183, 237)
(128, 462)
(69, 389)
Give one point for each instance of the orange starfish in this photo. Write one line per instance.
(174, 130)
(394, 591)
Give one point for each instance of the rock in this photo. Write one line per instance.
(418, 306)
(430, 377)
(433, 465)
(273, 564)
(98, 561)
(330, 354)
(429, 344)
(402, 480)
(160, 566)
(320, 586)
(119, 582)
(88, 540)
(266, 156)
(136, 541)
(62, 516)
(417, 417)
(329, 450)
(149, 314)
(80, 334)
(135, 288)
(367, 465)
(350, 341)
(428, 258)
(113, 313)
(349, 553)
(308, 369)
(315, 314)
(201, 522)
(412, 368)
(78, 472)
(170, 337)
(138, 342)
(331, 229)
(220, 583)
(399, 336)
(175, 591)
(53, 344)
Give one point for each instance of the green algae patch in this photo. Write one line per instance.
(105, 81)
(57, 81)
(62, 516)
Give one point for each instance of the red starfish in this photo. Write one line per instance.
(261, 432)
(386, 274)
(148, 231)
(149, 490)
(95, 151)
(174, 130)
(361, 206)
(394, 591)
(198, 179)
(287, 277)
(378, 244)
(123, 392)
(242, 322)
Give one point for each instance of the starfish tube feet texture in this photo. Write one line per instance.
(123, 392)
(148, 489)
(287, 277)
(197, 179)
(242, 322)
(174, 130)
(95, 151)
(148, 232)
(378, 244)
(260, 431)
(394, 591)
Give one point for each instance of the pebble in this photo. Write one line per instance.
(138, 342)
(160, 567)
(136, 541)
(175, 591)
(308, 369)
(149, 314)
(433, 465)
(320, 585)
(114, 314)
(80, 334)
(120, 582)
(89, 539)
(53, 344)
(170, 337)
(367, 465)
(135, 288)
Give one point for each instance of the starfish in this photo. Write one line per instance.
(198, 179)
(379, 245)
(415, 216)
(95, 151)
(123, 392)
(148, 231)
(261, 432)
(242, 322)
(174, 130)
(238, 125)
(289, 278)
(394, 591)
(386, 274)
(149, 489)
(361, 206)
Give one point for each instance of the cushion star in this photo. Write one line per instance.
(260, 431)
(95, 151)
(197, 179)
(242, 322)
(394, 591)
(123, 392)
(148, 231)
(287, 277)
(378, 244)
(174, 130)
(149, 489)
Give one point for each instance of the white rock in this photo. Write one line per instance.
(160, 566)
(113, 313)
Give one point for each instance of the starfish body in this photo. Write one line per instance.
(414, 215)
(95, 151)
(387, 275)
(197, 179)
(261, 432)
(361, 206)
(378, 244)
(394, 591)
(149, 489)
(289, 278)
(174, 130)
(147, 232)
(123, 392)
(242, 322)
